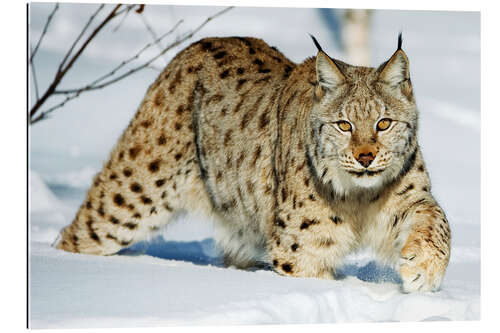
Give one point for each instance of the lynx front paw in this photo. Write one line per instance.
(422, 268)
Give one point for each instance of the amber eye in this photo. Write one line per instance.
(384, 124)
(344, 125)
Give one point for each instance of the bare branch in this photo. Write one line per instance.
(46, 26)
(146, 64)
(89, 39)
(98, 83)
(121, 65)
(61, 65)
(44, 115)
(171, 46)
(60, 73)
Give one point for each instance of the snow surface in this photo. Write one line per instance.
(177, 278)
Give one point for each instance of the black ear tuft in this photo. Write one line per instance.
(400, 40)
(316, 43)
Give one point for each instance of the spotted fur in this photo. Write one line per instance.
(235, 129)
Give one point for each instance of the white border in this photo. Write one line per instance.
(13, 194)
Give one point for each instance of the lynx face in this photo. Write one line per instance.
(364, 122)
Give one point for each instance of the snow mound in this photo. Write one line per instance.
(178, 286)
(48, 214)
(41, 197)
(81, 178)
(463, 116)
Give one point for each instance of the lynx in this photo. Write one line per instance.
(299, 164)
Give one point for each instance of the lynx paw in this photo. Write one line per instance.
(421, 269)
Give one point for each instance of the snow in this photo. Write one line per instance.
(45, 199)
(177, 278)
(81, 178)
(142, 290)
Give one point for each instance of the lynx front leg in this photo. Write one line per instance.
(309, 245)
(426, 252)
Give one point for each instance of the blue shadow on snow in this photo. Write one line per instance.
(205, 253)
(197, 252)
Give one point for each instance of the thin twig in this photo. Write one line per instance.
(128, 9)
(63, 62)
(153, 34)
(121, 65)
(35, 82)
(140, 9)
(156, 68)
(46, 26)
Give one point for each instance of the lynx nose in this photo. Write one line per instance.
(365, 155)
(365, 159)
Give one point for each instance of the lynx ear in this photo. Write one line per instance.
(397, 68)
(328, 73)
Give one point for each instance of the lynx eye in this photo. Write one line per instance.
(344, 125)
(384, 124)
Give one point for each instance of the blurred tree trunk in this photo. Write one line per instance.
(356, 36)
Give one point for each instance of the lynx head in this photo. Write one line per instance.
(363, 122)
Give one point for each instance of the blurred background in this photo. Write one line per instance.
(69, 147)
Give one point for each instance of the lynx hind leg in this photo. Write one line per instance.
(151, 174)
(121, 210)
(101, 237)
(111, 220)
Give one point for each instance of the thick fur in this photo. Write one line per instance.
(235, 129)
